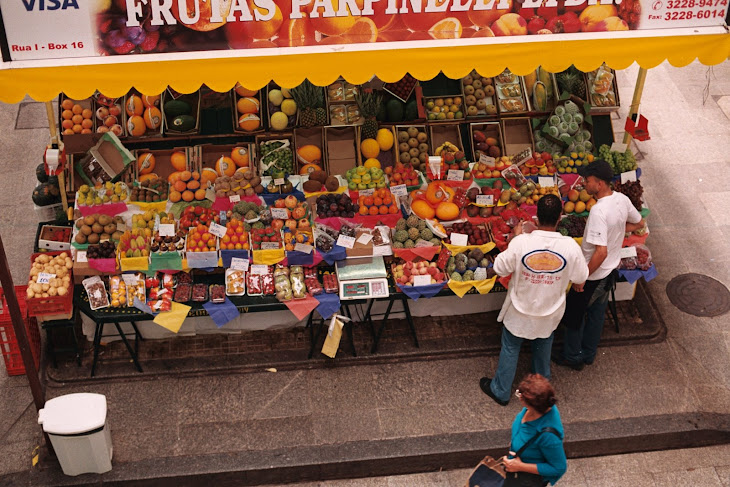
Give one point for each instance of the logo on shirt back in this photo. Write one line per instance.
(543, 261)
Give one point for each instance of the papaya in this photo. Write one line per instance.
(530, 80)
(546, 79)
(539, 97)
(174, 108)
(182, 123)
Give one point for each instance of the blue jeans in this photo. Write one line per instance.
(581, 344)
(509, 354)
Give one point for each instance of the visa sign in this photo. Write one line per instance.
(31, 5)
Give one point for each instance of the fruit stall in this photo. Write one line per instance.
(273, 189)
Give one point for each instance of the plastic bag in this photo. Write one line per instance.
(641, 261)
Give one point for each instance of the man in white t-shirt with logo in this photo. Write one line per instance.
(609, 219)
(542, 264)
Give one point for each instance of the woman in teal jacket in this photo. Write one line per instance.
(543, 460)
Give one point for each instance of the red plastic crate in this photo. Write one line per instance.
(56, 305)
(11, 351)
(4, 313)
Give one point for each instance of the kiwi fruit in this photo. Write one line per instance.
(110, 228)
(80, 238)
(85, 229)
(89, 220)
(93, 238)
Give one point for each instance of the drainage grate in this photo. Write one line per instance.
(699, 295)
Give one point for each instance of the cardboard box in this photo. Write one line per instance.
(597, 102)
(288, 136)
(552, 101)
(206, 155)
(76, 142)
(490, 129)
(103, 101)
(310, 136)
(163, 167)
(263, 103)
(193, 99)
(517, 133)
(488, 99)
(50, 239)
(443, 132)
(341, 152)
(359, 249)
(125, 114)
(106, 161)
(386, 158)
(509, 105)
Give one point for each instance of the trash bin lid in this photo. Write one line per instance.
(73, 414)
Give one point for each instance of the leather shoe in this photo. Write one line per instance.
(484, 384)
(558, 360)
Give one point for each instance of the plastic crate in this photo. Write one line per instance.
(11, 351)
(56, 305)
(4, 313)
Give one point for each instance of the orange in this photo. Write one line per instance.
(145, 163)
(77, 119)
(377, 201)
(174, 177)
(85, 123)
(67, 115)
(67, 124)
(77, 129)
(185, 176)
(175, 196)
(240, 156)
(208, 175)
(333, 26)
(134, 105)
(383, 210)
(387, 200)
(188, 196)
(393, 210)
(362, 31)
(136, 126)
(180, 186)
(86, 113)
(193, 184)
(242, 91)
(369, 201)
(203, 11)
(200, 194)
(179, 161)
(448, 28)
(77, 109)
(68, 132)
(67, 104)
(373, 210)
(196, 175)
(296, 32)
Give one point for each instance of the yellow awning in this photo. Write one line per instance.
(115, 76)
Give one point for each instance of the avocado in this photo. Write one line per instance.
(174, 108)
(394, 108)
(182, 123)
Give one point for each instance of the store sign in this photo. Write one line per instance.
(46, 29)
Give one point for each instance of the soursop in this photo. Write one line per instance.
(461, 257)
(400, 236)
(455, 276)
(409, 244)
(426, 234)
(461, 267)
(401, 224)
(421, 224)
(484, 262)
(413, 233)
(471, 263)
(412, 221)
(397, 245)
(250, 215)
(476, 254)
(258, 225)
(570, 107)
(469, 276)
(451, 261)
(450, 268)
(435, 241)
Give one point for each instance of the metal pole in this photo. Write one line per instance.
(50, 113)
(634, 108)
(6, 280)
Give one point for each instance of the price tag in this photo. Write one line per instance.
(239, 264)
(365, 238)
(81, 256)
(45, 278)
(210, 194)
(399, 190)
(156, 227)
(459, 239)
(382, 250)
(91, 166)
(434, 163)
(480, 273)
(130, 279)
(279, 213)
(270, 245)
(223, 217)
(345, 241)
(522, 157)
(366, 192)
(579, 182)
(167, 230)
(485, 159)
(235, 198)
(455, 175)
(485, 199)
(628, 176)
(424, 280)
(619, 147)
(546, 181)
(217, 230)
(302, 247)
(259, 269)
(279, 181)
(624, 253)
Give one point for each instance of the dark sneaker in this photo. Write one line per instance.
(559, 360)
(484, 383)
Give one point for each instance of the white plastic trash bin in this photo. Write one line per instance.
(76, 424)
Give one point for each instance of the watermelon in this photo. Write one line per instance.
(43, 195)
(40, 173)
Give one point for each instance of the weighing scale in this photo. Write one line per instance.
(362, 278)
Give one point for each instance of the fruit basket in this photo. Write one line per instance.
(342, 107)
(479, 96)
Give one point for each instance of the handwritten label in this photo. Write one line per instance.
(259, 269)
(455, 175)
(279, 181)
(366, 192)
(130, 279)
(546, 181)
(382, 250)
(424, 280)
(485, 199)
(480, 273)
(270, 245)
(619, 147)
(279, 213)
(302, 247)
(628, 176)
(81, 256)
(167, 230)
(399, 190)
(45, 278)
(627, 252)
(345, 241)
(485, 159)
(217, 230)
(459, 239)
(234, 199)
(239, 264)
(364, 239)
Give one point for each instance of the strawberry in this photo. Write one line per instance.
(125, 48)
(105, 26)
(535, 24)
(150, 42)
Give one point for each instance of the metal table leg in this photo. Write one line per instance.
(97, 344)
(376, 338)
(407, 310)
(348, 329)
(132, 353)
(369, 318)
(310, 325)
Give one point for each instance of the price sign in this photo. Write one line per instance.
(270, 245)
(302, 247)
(45, 278)
(424, 280)
(399, 190)
(627, 252)
(345, 241)
(259, 269)
(382, 250)
(485, 199)
(455, 175)
(81, 256)
(480, 274)
(366, 192)
(279, 213)
(130, 279)
(210, 194)
(546, 181)
(217, 230)
(619, 147)
(459, 239)
(239, 264)
(279, 181)
(628, 176)
(485, 159)
(235, 198)
(365, 238)
(167, 230)
(522, 157)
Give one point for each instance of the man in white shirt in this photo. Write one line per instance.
(609, 219)
(542, 264)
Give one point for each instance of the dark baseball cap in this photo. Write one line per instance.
(598, 168)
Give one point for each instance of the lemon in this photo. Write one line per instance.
(385, 139)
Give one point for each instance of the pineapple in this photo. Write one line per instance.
(310, 101)
(572, 81)
(369, 103)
